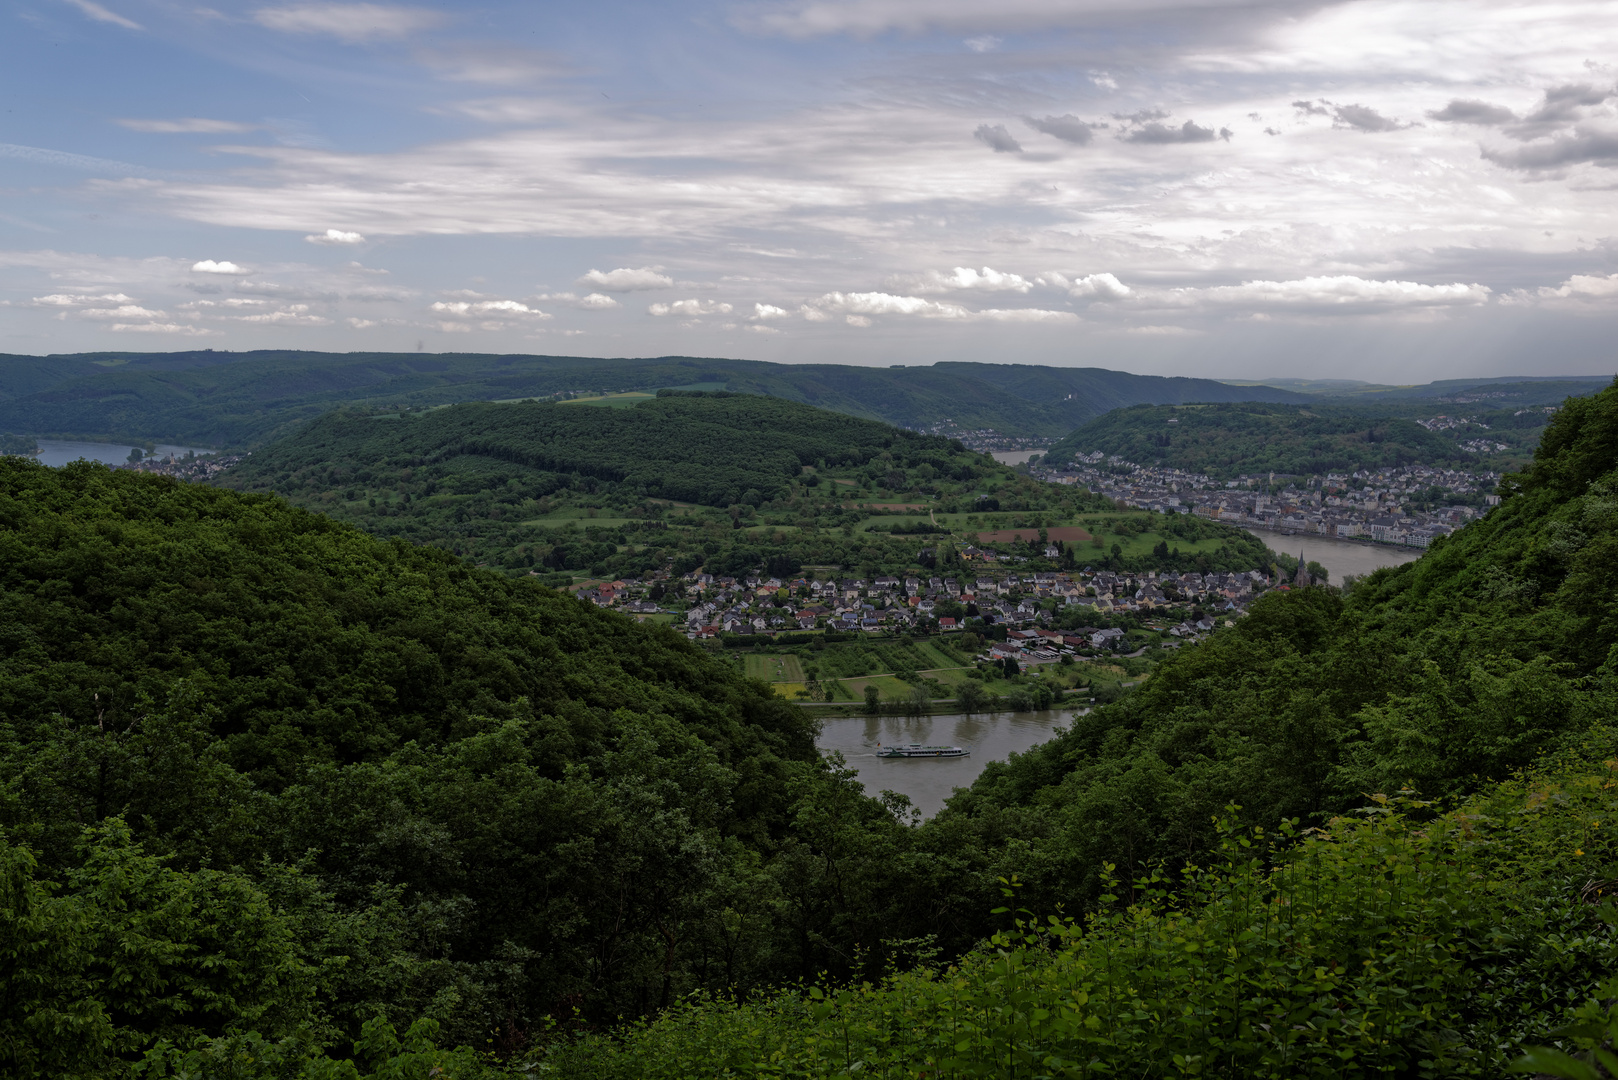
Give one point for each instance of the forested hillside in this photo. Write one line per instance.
(258, 769)
(731, 482)
(1253, 438)
(241, 400)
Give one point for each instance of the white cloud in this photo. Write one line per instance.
(209, 266)
(1337, 292)
(335, 236)
(964, 277)
(625, 279)
(101, 14)
(590, 302)
(875, 303)
(487, 307)
(360, 324)
(690, 307)
(181, 329)
(757, 329)
(983, 44)
(859, 307)
(122, 311)
(69, 299)
(862, 18)
(1578, 291)
(770, 311)
(1091, 287)
(1029, 315)
(349, 22)
(295, 315)
(191, 125)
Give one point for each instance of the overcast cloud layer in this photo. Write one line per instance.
(1395, 190)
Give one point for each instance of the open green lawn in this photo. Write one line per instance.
(950, 677)
(774, 668)
(887, 685)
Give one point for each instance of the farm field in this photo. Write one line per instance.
(774, 668)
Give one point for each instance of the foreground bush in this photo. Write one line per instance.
(1403, 942)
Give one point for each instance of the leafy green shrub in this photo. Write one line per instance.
(1400, 942)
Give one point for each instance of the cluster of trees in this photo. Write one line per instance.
(263, 771)
(1227, 440)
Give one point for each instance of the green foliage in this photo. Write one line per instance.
(244, 399)
(1400, 942)
(123, 950)
(1226, 440)
(534, 487)
(467, 798)
(1495, 647)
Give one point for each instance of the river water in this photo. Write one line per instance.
(58, 452)
(1339, 557)
(929, 781)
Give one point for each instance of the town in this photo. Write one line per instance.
(1040, 616)
(1408, 506)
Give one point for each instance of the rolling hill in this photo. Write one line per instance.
(240, 400)
(1227, 440)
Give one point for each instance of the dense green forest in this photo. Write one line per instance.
(729, 482)
(240, 400)
(1253, 438)
(277, 796)
(258, 769)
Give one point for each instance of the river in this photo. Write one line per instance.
(929, 781)
(58, 452)
(1339, 557)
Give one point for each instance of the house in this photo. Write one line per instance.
(1105, 639)
(946, 623)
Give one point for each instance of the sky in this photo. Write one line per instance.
(1388, 190)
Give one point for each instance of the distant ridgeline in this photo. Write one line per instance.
(1230, 439)
(240, 400)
